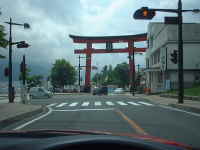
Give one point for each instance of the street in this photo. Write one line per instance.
(117, 114)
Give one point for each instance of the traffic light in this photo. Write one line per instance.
(6, 72)
(174, 56)
(144, 13)
(22, 44)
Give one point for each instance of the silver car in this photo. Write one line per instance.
(40, 92)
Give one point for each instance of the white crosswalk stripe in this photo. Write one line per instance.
(110, 103)
(53, 104)
(85, 104)
(133, 103)
(97, 103)
(61, 105)
(121, 103)
(73, 104)
(144, 103)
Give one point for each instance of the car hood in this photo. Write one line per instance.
(78, 132)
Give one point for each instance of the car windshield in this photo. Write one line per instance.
(118, 66)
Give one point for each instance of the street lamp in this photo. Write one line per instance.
(148, 13)
(26, 26)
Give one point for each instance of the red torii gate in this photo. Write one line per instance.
(130, 39)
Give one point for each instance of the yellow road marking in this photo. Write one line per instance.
(132, 123)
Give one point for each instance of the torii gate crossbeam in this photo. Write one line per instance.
(130, 39)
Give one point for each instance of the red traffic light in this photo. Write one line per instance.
(144, 13)
(6, 72)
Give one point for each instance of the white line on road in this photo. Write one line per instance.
(73, 104)
(62, 104)
(38, 118)
(85, 104)
(144, 103)
(50, 105)
(121, 103)
(110, 103)
(106, 109)
(133, 103)
(176, 109)
(97, 103)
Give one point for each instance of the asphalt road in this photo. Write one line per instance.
(117, 114)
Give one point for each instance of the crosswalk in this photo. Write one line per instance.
(100, 103)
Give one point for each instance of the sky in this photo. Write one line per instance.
(53, 20)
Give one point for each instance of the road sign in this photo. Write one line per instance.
(171, 20)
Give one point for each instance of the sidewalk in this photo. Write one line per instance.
(188, 105)
(13, 112)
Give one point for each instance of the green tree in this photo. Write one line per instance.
(121, 74)
(34, 80)
(62, 73)
(3, 41)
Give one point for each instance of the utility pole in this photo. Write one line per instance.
(180, 54)
(11, 100)
(133, 73)
(79, 71)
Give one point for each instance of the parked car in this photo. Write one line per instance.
(40, 92)
(118, 91)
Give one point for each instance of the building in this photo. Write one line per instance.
(161, 72)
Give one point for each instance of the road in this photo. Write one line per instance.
(117, 114)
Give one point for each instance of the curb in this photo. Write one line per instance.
(8, 121)
(194, 98)
(186, 108)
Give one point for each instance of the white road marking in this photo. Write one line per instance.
(133, 103)
(106, 109)
(73, 104)
(61, 105)
(110, 103)
(85, 104)
(97, 103)
(53, 104)
(180, 110)
(38, 118)
(121, 103)
(144, 103)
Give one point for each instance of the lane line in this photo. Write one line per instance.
(110, 103)
(97, 103)
(36, 119)
(106, 109)
(144, 103)
(85, 104)
(180, 110)
(121, 103)
(61, 105)
(132, 123)
(133, 103)
(73, 104)
(53, 104)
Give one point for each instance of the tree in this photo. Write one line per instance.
(62, 73)
(121, 74)
(3, 41)
(34, 80)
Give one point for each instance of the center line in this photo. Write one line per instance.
(85, 104)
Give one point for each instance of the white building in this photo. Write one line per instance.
(161, 72)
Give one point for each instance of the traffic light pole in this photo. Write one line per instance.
(24, 70)
(180, 54)
(10, 64)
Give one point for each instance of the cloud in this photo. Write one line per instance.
(52, 21)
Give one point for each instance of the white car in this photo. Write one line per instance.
(118, 91)
(40, 92)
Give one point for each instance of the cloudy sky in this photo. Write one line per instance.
(53, 20)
